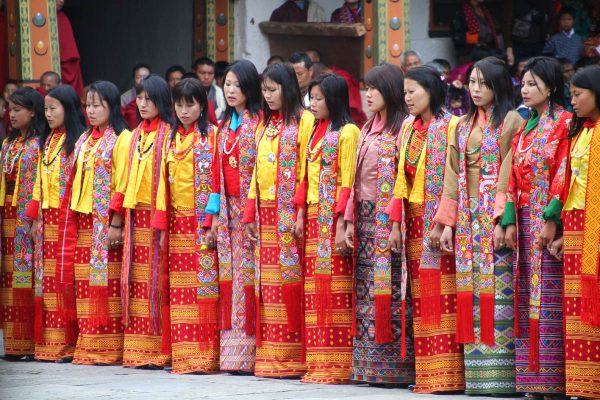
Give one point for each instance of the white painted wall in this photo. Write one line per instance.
(429, 48)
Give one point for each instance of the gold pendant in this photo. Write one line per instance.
(233, 162)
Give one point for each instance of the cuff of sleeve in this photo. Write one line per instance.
(299, 198)
(33, 209)
(510, 215)
(499, 205)
(553, 211)
(396, 207)
(116, 203)
(446, 213)
(342, 200)
(349, 212)
(250, 211)
(160, 220)
(214, 204)
(207, 224)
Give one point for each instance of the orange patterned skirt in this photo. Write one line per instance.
(280, 354)
(189, 353)
(582, 341)
(328, 346)
(438, 358)
(18, 335)
(53, 345)
(141, 345)
(104, 344)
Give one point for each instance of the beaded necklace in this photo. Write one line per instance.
(8, 161)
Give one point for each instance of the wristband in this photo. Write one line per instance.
(116, 226)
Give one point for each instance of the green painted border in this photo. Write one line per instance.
(406, 24)
(25, 40)
(211, 46)
(380, 39)
(53, 31)
(231, 30)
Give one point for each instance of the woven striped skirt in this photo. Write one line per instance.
(97, 344)
(281, 353)
(551, 376)
(582, 341)
(329, 343)
(372, 362)
(438, 358)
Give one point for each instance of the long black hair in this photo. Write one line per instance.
(291, 99)
(158, 91)
(585, 78)
(30, 99)
(495, 75)
(109, 93)
(74, 118)
(429, 79)
(550, 72)
(188, 90)
(249, 81)
(335, 91)
(388, 79)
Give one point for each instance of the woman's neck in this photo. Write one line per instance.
(383, 114)
(102, 127)
(539, 109)
(595, 115)
(187, 127)
(240, 109)
(425, 116)
(487, 107)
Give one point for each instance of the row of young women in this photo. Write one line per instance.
(426, 250)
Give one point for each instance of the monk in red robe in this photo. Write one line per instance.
(69, 55)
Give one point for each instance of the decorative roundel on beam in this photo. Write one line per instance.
(11, 19)
(221, 45)
(13, 49)
(221, 19)
(395, 23)
(396, 50)
(369, 51)
(40, 48)
(39, 20)
(369, 24)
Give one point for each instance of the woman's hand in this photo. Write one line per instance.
(395, 240)
(115, 236)
(340, 236)
(298, 229)
(557, 248)
(252, 231)
(447, 240)
(547, 234)
(510, 237)
(499, 238)
(435, 236)
(34, 230)
(211, 238)
(161, 240)
(510, 56)
(349, 236)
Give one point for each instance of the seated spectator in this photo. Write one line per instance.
(443, 66)
(220, 67)
(275, 60)
(319, 69)
(204, 68)
(173, 75)
(410, 59)
(457, 100)
(566, 43)
(139, 72)
(568, 70)
(298, 11)
(302, 65)
(49, 80)
(525, 27)
(473, 26)
(349, 13)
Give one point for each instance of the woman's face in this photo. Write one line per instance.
(534, 91)
(97, 110)
(375, 101)
(20, 117)
(273, 94)
(481, 93)
(416, 97)
(583, 102)
(188, 112)
(318, 105)
(146, 106)
(55, 112)
(233, 92)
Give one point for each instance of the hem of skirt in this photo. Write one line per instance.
(490, 392)
(437, 389)
(541, 390)
(325, 381)
(134, 364)
(90, 361)
(52, 357)
(236, 369)
(379, 380)
(191, 370)
(291, 374)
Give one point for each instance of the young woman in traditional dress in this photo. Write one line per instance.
(270, 216)
(382, 321)
(237, 152)
(187, 191)
(531, 219)
(59, 320)
(438, 357)
(581, 221)
(145, 275)
(475, 181)
(91, 227)
(331, 155)
(20, 265)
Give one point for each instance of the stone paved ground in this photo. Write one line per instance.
(50, 381)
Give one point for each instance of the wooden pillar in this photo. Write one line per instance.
(32, 40)
(369, 48)
(397, 30)
(220, 29)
